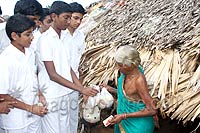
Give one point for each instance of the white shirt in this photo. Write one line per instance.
(2, 25)
(4, 40)
(75, 45)
(34, 43)
(51, 48)
(17, 78)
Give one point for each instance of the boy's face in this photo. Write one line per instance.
(35, 19)
(76, 20)
(46, 23)
(24, 39)
(62, 21)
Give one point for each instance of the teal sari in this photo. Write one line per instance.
(125, 105)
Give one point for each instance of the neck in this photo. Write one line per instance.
(41, 30)
(132, 73)
(20, 48)
(58, 31)
(71, 30)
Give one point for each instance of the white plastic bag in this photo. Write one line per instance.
(106, 99)
(91, 116)
(91, 111)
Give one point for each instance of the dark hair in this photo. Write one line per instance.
(59, 7)
(28, 7)
(0, 10)
(76, 7)
(18, 23)
(45, 13)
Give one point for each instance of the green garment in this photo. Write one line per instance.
(132, 125)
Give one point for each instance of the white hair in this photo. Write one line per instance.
(127, 55)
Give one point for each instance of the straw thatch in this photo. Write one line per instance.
(167, 35)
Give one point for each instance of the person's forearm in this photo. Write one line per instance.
(54, 76)
(18, 104)
(62, 81)
(142, 113)
(75, 79)
(112, 90)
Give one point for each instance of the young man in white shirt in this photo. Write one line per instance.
(30, 8)
(17, 82)
(75, 45)
(56, 76)
(44, 24)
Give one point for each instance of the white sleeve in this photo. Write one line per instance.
(4, 40)
(4, 78)
(45, 49)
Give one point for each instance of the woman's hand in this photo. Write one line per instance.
(117, 118)
(109, 88)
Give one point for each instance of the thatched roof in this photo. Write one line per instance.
(167, 35)
(151, 24)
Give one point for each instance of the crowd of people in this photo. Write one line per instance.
(40, 52)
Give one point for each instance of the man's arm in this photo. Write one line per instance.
(75, 78)
(21, 105)
(54, 76)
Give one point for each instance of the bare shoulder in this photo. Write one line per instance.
(140, 79)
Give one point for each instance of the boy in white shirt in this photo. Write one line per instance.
(30, 8)
(56, 76)
(17, 82)
(44, 24)
(75, 45)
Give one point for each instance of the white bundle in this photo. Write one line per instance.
(103, 99)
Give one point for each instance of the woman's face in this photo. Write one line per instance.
(124, 68)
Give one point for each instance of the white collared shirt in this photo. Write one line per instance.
(5, 41)
(51, 48)
(34, 43)
(75, 45)
(18, 79)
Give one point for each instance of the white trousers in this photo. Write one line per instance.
(34, 127)
(73, 111)
(57, 118)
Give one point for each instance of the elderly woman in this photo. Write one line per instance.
(135, 107)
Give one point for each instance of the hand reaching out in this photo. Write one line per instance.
(117, 119)
(89, 91)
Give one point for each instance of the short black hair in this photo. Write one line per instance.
(28, 7)
(18, 23)
(45, 13)
(59, 7)
(76, 7)
(0, 11)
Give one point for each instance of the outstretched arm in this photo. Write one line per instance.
(109, 88)
(54, 76)
(150, 109)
